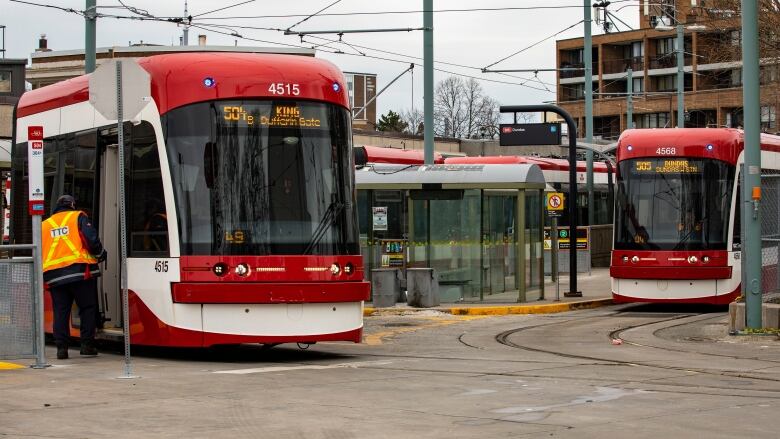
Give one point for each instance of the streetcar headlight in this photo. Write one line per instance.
(242, 269)
(705, 259)
(349, 268)
(335, 269)
(692, 259)
(220, 269)
(630, 148)
(635, 259)
(710, 147)
(625, 258)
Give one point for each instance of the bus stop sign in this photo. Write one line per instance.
(136, 88)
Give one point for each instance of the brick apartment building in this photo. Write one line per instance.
(713, 81)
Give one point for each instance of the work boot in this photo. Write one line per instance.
(62, 351)
(88, 348)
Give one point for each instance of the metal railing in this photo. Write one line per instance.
(21, 309)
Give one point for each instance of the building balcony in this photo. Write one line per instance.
(636, 64)
(668, 60)
(577, 70)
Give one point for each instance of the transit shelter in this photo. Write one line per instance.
(478, 226)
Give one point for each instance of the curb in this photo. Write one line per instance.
(547, 308)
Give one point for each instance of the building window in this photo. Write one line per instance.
(735, 37)
(736, 77)
(770, 74)
(665, 46)
(5, 81)
(666, 83)
(652, 120)
(768, 118)
(351, 89)
(638, 85)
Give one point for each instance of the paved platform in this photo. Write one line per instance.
(595, 287)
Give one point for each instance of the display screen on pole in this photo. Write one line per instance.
(528, 134)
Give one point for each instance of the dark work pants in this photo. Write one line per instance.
(85, 294)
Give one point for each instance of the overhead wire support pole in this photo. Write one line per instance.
(428, 80)
(363, 108)
(751, 190)
(588, 61)
(680, 76)
(629, 98)
(90, 17)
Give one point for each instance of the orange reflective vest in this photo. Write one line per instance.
(62, 244)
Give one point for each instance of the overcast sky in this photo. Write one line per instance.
(468, 38)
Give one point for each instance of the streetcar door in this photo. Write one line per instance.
(108, 283)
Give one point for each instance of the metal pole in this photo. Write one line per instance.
(123, 220)
(751, 242)
(630, 99)
(554, 258)
(428, 79)
(185, 33)
(89, 36)
(680, 76)
(40, 342)
(572, 196)
(588, 59)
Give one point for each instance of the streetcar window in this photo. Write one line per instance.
(147, 222)
(673, 204)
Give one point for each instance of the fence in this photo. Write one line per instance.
(770, 234)
(20, 312)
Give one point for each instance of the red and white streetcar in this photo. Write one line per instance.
(241, 211)
(677, 226)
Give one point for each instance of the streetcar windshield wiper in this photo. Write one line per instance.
(328, 218)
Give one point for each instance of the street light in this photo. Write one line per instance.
(665, 24)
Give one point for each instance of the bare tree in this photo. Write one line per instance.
(461, 109)
(721, 41)
(448, 107)
(414, 118)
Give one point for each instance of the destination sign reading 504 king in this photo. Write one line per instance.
(289, 116)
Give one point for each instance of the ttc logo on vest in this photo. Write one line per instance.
(61, 231)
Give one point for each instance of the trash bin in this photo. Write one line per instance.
(385, 286)
(422, 287)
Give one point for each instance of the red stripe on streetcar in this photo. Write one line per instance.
(723, 299)
(681, 273)
(245, 292)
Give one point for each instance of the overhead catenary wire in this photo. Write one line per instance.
(314, 14)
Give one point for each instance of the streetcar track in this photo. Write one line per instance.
(503, 338)
(616, 334)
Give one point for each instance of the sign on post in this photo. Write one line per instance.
(136, 89)
(526, 134)
(119, 90)
(554, 203)
(36, 204)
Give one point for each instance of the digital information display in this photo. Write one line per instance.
(666, 166)
(281, 116)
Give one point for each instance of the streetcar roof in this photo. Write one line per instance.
(720, 143)
(546, 164)
(491, 176)
(178, 79)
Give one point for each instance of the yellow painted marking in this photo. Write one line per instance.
(10, 366)
(377, 338)
(548, 308)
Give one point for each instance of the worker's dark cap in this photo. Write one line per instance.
(66, 200)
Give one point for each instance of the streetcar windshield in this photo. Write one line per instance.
(673, 203)
(262, 177)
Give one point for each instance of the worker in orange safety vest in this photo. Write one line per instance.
(70, 269)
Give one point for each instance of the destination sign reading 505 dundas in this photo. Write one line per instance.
(666, 166)
(281, 116)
